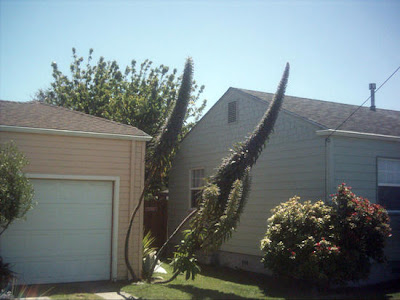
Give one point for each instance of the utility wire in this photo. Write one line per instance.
(340, 125)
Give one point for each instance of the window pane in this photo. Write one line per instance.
(193, 183)
(389, 197)
(388, 171)
(197, 179)
(194, 197)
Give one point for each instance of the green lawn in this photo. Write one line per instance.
(224, 283)
(212, 283)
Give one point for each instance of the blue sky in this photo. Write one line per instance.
(335, 48)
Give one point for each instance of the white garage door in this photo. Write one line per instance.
(66, 237)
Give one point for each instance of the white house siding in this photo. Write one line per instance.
(292, 164)
(355, 162)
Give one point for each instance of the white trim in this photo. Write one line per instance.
(190, 185)
(388, 184)
(116, 184)
(75, 133)
(393, 212)
(330, 168)
(355, 134)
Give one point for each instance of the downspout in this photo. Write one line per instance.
(329, 173)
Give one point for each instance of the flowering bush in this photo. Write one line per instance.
(326, 243)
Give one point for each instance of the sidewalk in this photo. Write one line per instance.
(108, 296)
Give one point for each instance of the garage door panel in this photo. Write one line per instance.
(68, 270)
(66, 237)
(39, 218)
(86, 217)
(65, 217)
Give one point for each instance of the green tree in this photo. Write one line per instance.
(16, 192)
(224, 197)
(138, 96)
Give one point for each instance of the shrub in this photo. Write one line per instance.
(326, 243)
(5, 274)
(361, 229)
(148, 254)
(16, 192)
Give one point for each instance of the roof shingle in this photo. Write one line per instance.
(35, 114)
(329, 115)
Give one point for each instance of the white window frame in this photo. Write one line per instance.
(378, 183)
(194, 188)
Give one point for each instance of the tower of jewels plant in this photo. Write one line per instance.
(223, 198)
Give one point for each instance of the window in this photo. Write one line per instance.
(196, 184)
(389, 183)
(232, 112)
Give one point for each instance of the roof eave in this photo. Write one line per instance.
(354, 134)
(75, 133)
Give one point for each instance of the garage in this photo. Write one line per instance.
(87, 174)
(68, 234)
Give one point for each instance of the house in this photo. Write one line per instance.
(87, 174)
(305, 156)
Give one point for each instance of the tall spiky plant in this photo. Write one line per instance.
(163, 147)
(223, 199)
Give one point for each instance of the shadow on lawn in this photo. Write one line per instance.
(295, 289)
(199, 293)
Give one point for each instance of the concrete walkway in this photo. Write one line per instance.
(34, 298)
(108, 296)
(115, 296)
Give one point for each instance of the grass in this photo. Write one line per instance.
(224, 283)
(211, 283)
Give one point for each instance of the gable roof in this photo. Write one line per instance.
(329, 115)
(51, 118)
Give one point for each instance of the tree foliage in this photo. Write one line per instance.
(224, 197)
(16, 192)
(326, 243)
(141, 96)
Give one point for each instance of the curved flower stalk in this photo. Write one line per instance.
(163, 147)
(223, 199)
(228, 221)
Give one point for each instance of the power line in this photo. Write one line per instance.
(340, 125)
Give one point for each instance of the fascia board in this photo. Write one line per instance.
(75, 133)
(354, 134)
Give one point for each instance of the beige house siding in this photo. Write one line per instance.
(68, 155)
(292, 164)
